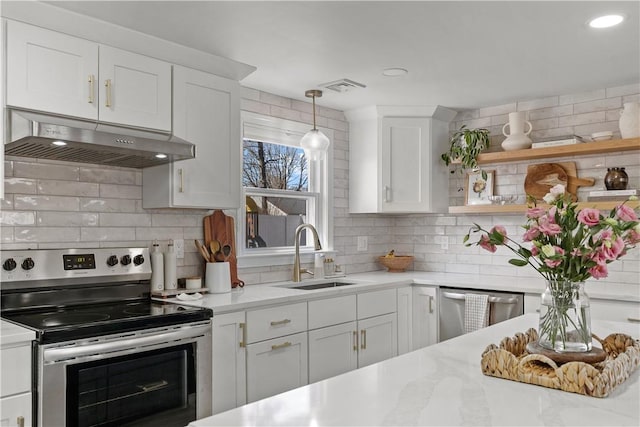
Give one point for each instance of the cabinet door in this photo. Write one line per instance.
(276, 365)
(16, 408)
(378, 339)
(229, 362)
(332, 351)
(206, 112)
(15, 370)
(406, 159)
(135, 90)
(50, 71)
(425, 317)
(405, 320)
(615, 310)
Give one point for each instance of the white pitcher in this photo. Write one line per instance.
(630, 120)
(517, 139)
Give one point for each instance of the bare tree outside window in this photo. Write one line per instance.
(271, 220)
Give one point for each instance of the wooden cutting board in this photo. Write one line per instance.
(541, 177)
(220, 227)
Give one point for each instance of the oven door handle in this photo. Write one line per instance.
(492, 299)
(125, 342)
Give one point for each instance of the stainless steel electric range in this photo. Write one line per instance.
(105, 354)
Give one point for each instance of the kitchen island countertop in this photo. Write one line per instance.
(441, 385)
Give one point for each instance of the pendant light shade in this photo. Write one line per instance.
(314, 142)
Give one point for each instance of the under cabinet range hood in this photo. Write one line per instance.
(50, 137)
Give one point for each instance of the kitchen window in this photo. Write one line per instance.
(282, 189)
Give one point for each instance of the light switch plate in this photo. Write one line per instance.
(178, 246)
(362, 243)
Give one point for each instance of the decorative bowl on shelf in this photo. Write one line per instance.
(503, 199)
(396, 263)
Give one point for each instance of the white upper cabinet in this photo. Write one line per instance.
(394, 159)
(135, 90)
(49, 71)
(206, 112)
(57, 73)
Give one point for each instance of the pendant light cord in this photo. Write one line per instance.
(314, 111)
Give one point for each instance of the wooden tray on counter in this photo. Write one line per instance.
(510, 360)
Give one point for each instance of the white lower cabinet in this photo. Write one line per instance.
(378, 339)
(332, 351)
(405, 319)
(229, 361)
(425, 316)
(615, 310)
(15, 411)
(276, 365)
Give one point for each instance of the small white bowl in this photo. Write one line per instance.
(601, 136)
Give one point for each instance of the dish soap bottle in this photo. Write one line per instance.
(157, 268)
(170, 276)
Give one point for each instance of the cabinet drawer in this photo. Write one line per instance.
(618, 311)
(14, 407)
(276, 321)
(16, 370)
(375, 303)
(332, 311)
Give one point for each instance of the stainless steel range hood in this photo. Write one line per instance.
(50, 137)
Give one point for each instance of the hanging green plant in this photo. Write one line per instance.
(465, 145)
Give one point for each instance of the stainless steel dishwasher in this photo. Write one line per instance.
(502, 306)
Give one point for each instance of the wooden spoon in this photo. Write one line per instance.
(214, 247)
(202, 250)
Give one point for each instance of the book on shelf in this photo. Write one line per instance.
(574, 139)
(611, 195)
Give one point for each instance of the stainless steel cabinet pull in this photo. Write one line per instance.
(154, 386)
(181, 173)
(20, 421)
(283, 345)
(633, 319)
(363, 339)
(280, 322)
(430, 304)
(107, 85)
(243, 327)
(355, 340)
(91, 88)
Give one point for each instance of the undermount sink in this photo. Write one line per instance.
(320, 285)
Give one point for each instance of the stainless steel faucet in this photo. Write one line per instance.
(297, 271)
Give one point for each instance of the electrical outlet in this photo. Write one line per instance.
(362, 243)
(178, 246)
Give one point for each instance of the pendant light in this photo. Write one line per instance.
(314, 142)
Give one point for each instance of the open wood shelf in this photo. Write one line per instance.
(491, 209)
(582, 149)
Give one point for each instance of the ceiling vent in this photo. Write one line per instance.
(342, 85)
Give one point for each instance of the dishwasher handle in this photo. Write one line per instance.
(492, 299)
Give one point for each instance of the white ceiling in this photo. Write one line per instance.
(460, 54)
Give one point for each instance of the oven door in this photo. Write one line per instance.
(153, 377)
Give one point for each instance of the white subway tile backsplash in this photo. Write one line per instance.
(53, 203)
(597, 105)
(66, 188)
(120, 191)
(582, 97)
(17, 218)
(45, 171)
(108, 205)
(100, 234)
(535, 104)
(108, 176)
(125, 219)
(582, 119)
(66, 219)
(20, 185)
(545, 113)
(46, 234)
(498, 110)
(632, 89)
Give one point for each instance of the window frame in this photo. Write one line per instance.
(269, 129)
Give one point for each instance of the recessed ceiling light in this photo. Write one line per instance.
(161, 156)
(394, 72)
(59, 143)
(606, 21)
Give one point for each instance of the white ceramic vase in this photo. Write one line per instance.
(630, 120)
(517, 138)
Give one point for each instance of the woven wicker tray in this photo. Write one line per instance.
(511, 361)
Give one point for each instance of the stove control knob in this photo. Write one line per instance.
(10, 264)
(126, 260)
(28, 264)
(138, 259)
(112, 260)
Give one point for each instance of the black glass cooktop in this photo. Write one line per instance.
(69, 323)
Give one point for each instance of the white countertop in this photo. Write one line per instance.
(11, 334)
(271, 293)
(441, 385)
